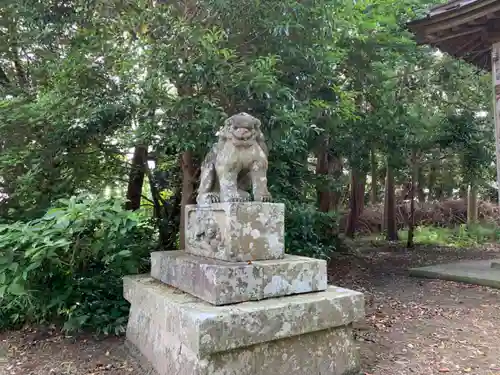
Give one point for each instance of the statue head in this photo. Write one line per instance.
(242, 129)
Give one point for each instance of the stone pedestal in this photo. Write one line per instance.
(297, 335)
(244, 307)
(222, 283)
(236, 232)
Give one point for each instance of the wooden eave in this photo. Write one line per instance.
(465, 29)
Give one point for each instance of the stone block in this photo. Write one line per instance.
(495, 264)
(208, 329)
(236, 232)
(297, 335)
(478, 272)
(221, 283)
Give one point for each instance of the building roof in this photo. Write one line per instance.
(465, 29)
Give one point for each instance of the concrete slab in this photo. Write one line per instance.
(478, 272)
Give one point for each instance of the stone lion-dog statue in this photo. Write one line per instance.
(237, 160)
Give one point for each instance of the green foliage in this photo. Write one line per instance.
(67, 265)
(81, 85)
(462, 236)
(310, 232)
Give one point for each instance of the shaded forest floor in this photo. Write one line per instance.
(413, 326)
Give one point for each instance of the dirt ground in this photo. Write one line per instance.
(413, 326)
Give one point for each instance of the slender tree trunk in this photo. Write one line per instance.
(432, 181)
(187, 167)
(336, 168)
(360, 192)
(472, 204)
(188, 191)
(158, 212)
(411, 219)
(136, 178)
(356, 201)
(462, 192)
(170, 227)
(323, 193)
(330, 166)
(439, 193)
(448, 185)
(374, 185)
(390, 224)
(22, 75)
(421, 185)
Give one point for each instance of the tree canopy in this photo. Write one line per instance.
(121, 99)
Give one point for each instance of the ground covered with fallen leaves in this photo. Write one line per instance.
(413, 326)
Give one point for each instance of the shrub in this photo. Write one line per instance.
(67, 265)
(461, 236)
(310, 232)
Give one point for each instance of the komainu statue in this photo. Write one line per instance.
(237, 160)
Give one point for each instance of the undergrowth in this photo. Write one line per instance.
(461, 236)
(67, 266)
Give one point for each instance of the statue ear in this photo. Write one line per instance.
(260, 136)
(222, 132)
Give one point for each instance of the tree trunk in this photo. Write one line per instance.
(421, 185)
(330, 166)
(136, 178)
(390, 224)
(188, 183)
(432, 181)
(439, 193)
(356, 201)
(411, 219)
(170, 228)
(323, 193)
(374, 186)
(472, 204)
(336, 168)
(462, 192)
(448, 185)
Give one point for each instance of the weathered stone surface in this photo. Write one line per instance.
(495, 264)
(208, 329)
(221, 283)
(235, 162)
(298, 335)
(236, 232)
(478, 272)
(325, 352)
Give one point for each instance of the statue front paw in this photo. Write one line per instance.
(244, 196)
(208, 198)
(265, 198)
(235, 198)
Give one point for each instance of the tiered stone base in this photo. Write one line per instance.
(306, 334)
(222, 283)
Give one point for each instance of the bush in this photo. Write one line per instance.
(67, 265)
(310, 232)
(461, 236)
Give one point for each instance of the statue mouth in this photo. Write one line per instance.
(244, 142)
(245, 137)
